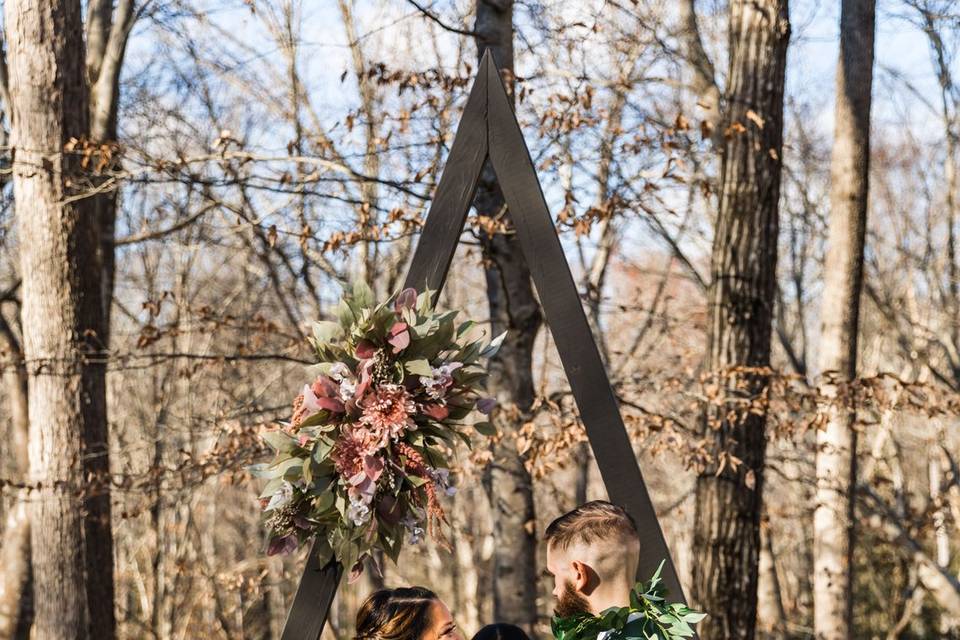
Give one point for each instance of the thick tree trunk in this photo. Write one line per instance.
(62, 316)
(840, 312)
(513, 308)
(741, 299)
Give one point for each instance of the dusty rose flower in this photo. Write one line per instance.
(353, 445)
(388, 412)
(363, 485)
(399, 337)
(363, 385)
(365, 350)
(436, 411)
(406, 300)
(321, 395)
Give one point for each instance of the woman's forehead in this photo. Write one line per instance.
(441, 612)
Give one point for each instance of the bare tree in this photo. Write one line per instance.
(740, 307)
(843, 277)
(513, 308)
(62, 317)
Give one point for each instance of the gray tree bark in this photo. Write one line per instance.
(513, 308)
(840, 312)
(16, 601)
(741, 299)
(62, 316)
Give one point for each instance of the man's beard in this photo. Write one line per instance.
(571, 603)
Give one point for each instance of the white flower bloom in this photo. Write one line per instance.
(283, 495)
(441, 379)
(358, 512)
(340, 371)
(348, 389)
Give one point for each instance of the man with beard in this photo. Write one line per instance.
(592, 553)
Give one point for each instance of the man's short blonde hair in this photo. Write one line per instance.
(591, 523)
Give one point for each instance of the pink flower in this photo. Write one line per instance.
(320, 396)
(406, 300)
(362, 386)
(363, 485)
(349, 453)
(387, 412)
(436, 411)
(365, 350)
(324, 387)
(399, 337)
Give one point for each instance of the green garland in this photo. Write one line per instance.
(648, 617)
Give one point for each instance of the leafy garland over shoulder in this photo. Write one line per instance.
(648, 617)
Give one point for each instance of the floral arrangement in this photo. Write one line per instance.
(362, 463)
(648, 617)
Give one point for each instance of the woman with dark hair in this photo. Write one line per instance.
(408, 613)
(501, 631)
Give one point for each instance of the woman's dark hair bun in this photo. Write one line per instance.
(501, 631)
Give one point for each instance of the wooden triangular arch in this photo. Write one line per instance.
(489, 129)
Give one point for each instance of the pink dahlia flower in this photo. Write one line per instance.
(354, 445)
(388, 412)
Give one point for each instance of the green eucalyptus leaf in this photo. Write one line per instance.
(345, 313)
(362, 294)
(262, 470)
(419, 368)
(279, 441)
(290, 468)
(325, 331)
(271, 488)
(491, 349)
(324, 502)
(485, 428)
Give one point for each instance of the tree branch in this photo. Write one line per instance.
(435, 18)
(939, 582)
(704, 76)
(177, 226)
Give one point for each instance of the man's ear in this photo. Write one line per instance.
(581, 576)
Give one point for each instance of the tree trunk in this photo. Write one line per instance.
(741, 299)
(771, 616)
(59, 262)
(108, 31)
(15, 588)
(840, 312)
(513, 308)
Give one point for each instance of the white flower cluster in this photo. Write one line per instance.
(436, 385)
